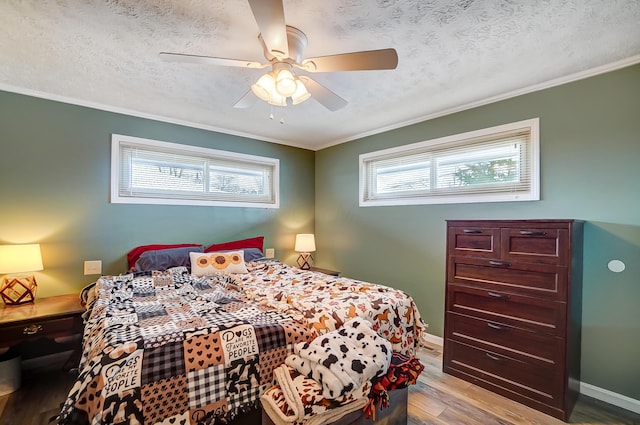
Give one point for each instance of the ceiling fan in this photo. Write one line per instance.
(283, 49)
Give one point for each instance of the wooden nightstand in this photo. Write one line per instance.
(52, 317)
(325, 271)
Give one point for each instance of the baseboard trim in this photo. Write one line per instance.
(610, 397)
(589, 390)
(434, 339)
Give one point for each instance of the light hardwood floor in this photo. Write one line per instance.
(437, 399)
(442, 399)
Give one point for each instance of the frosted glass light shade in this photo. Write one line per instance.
(265, 89)
(301, 93)
(20, 258)
(285, 83)
(305, 242)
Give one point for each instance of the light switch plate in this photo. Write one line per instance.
(93, 267)
(270, 253)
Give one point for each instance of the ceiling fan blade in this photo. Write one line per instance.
(356, 61)
(246, 101)
(209, 60)
(326, 97)
(269, 15)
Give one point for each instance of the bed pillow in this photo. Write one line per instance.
(163, 259)
(251, 254)
(136, 252)
(256, 242)
(208, 263)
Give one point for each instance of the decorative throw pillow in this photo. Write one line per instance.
(204, 264)
(252, 254)
(255, 242)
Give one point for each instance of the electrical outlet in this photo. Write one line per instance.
(93, 267)
(270, 253)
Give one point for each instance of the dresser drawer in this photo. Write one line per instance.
(534, 244)
(529, 313)
(540, 348)
(505, 373)
(536, 280)
(54, 328)
(475, 241)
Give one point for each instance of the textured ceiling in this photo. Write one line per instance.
(452, 53)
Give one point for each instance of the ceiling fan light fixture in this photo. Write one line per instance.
(301, 94)
(277, 100)
(264, 87)
(286, 83)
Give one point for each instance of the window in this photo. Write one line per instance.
(490, 165)
(152, 172)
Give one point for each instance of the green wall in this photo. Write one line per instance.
(590, 154)
(54, 189)
(55, 182)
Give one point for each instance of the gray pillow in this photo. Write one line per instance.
(252, 254)
(164, 259)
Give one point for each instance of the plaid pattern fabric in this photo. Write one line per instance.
(205, 386)
(151, 313)
(219, 318)
(269, 337)
(162, 362)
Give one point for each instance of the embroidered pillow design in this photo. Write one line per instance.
(217, 262)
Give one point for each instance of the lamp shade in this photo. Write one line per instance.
(305, 242)
(20, 258)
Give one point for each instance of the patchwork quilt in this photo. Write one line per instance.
(170, 347)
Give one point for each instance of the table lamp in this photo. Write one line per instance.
(26, 258)
(305, 245)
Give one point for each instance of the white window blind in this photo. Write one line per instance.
(489, 165)
(148, 171)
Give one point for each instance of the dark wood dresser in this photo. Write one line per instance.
(513, 309)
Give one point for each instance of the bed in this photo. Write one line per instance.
(182, 347)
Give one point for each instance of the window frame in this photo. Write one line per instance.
(118, 141)
(457, 140)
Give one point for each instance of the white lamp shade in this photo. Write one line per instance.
(20, 258)
(305, 242)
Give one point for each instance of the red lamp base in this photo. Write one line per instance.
(18, 290)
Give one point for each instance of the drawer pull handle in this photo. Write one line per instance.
(499, 296)
(496, 358)
(500, 264)
(494, 326)
(530, 233)
(472, 231)
(32, 329)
